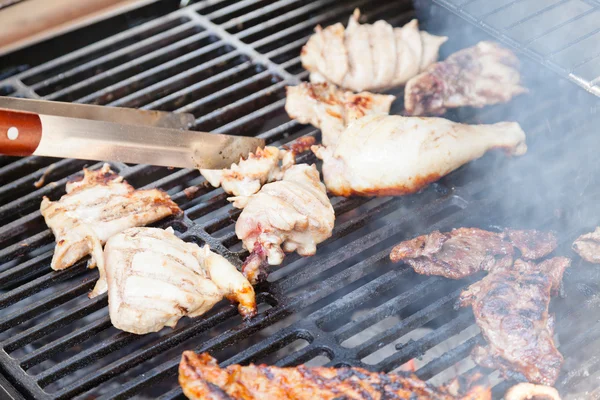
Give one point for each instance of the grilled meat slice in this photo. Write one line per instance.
(326, 107)
(248, 176)
(154, 279)
(381, 155)
(201, 378)
(96, 208)
(369, 57)
(588, 246)
(533, 244)
(529, 391)
(484, 74)
(293, 214)
(456, 254)
(511, 309)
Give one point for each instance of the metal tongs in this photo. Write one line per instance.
(55, 129)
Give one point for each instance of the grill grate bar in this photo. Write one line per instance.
(449, 358)
(256, 114)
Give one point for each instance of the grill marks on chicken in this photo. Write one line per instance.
(455, 255)
(293, 214)
(201, 378)
(96, 208)
(369, 57)
(484, 74)
(511, 309)
(381, 155)
(588, 246)
(154, 279)
(326, 107)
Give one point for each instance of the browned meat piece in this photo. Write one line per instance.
(529, 391)
(533, 244)
(588, 246)
(511, 309)
(456, 254)
(201, 378)
(484, 74)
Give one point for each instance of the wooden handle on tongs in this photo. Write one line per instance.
(20, 132)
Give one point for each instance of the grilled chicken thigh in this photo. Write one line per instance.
(369, 57)
(96, 208)
(511, 309)
(326, 107)
(293, 214)
(201, 378)
(381, 155)
(484, 74)
(588, 246)
(154, 278)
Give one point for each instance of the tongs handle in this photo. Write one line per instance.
(20, 132)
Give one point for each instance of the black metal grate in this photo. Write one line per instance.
(228, 63)
(562, 35)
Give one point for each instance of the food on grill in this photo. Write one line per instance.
(381, 155)
(201, 378)
(331, 109)
(369, 57)
(511, 309)
(456, 254)
(531, 243)
(588, 246)
(247, 177)
(484, 74)
(96, 208)
(154, 279)
(294, 214)
(529, 391)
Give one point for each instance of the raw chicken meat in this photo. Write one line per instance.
(369, 57)
(326, 107)
(382, 155)
(96, 208)
(484, 74)
(154, 279)
(201, 378)
(588, 246)
(293, 214)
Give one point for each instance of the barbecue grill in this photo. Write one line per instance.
(228, 62)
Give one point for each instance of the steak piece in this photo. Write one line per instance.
(201, 378)
(511, 309)
(533, 244)
(456, 254)
(588, 246)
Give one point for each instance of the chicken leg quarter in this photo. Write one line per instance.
(382, 155)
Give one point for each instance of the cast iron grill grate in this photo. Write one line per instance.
(228, 63)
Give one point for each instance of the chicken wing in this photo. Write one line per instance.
(326, 107)
(201, 378)
(484, 74)
(369, 57)
(154, 279)
(588, 246)
(96, 208)
(511, 309)
(293, 214)
(381, 155)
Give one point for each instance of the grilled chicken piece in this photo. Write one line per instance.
(531, 243)
(455, 255)
(201, 378)
(326, 107)
(294, 214)
(369, 57)
(381, 155)
(529, 391)
(511, 309)
(154, 279)
(484, 74)
(248, 176)
(588, 246)
(96, 208)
